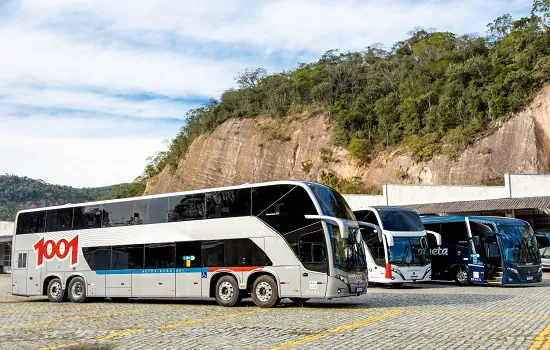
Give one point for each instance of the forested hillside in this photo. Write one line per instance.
(18, 193)
(433, 93)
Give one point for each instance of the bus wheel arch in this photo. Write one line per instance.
(214, 281)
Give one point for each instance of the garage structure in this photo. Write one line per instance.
(6, 236)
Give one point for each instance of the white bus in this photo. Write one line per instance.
(282, 239)
(398, 253)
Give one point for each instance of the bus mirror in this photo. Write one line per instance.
(344, 233)
(437, 237)
(376, 228)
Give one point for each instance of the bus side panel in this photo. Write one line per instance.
(154, 283)
(118, 283)
(285, 264)
(189, 282)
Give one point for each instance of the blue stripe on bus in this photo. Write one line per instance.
(147, 271)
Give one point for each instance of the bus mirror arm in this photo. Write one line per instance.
(436, 235)
(377, 229)
(344, 233)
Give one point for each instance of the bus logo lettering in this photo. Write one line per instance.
(48, 250)
(440, 251)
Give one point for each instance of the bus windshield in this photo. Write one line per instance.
(409, 251)
(348, 252)
(332, 203)
(400, 220)
(521, 245)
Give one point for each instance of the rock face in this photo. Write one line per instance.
(264, 149)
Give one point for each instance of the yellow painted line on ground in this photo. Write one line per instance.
(139, 330)
(542, 341)
(314, 337)
(68, 319)
(481, 313)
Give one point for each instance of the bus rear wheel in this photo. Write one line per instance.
(264, 291)
(227, 291)
(55, 291)
(77, 290)
(461, 277)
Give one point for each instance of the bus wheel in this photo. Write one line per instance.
(227, 291)
(264, 291)
(55, 291)
(77, 290)
(461, 277)
(299, 301)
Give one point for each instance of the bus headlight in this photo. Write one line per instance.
(513, 270)
(342, 278)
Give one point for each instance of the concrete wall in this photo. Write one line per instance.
(6, 228)
(515, 186)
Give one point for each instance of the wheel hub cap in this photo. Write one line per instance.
(226, 291)
(264, 291)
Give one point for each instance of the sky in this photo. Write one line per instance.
(90, 88)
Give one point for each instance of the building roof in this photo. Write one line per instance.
(483, 205)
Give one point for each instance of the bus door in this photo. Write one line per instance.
(33, 276)
(189, 274)
(314, 267)
(476, 267)
(19, 273)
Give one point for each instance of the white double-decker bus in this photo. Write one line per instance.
(283, 239)
(399, 252)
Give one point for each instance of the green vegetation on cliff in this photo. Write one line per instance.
(435, 92)
(18, 193)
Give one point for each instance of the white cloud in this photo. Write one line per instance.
(87, 86)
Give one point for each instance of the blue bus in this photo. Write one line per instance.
(484, 250)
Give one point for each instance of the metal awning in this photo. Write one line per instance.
(499, 204)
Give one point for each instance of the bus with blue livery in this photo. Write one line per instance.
(484, 250)
(273, 240)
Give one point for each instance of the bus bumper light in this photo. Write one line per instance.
(339, 291)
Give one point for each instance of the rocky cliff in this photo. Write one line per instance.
(263, 149)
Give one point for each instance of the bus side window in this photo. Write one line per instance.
(454, 233)
(98, 258)
(33, 222)
(191, 251)
(226, 204)
(188, 207)
(150, 211)
(213, 254)
(118, 214)
(87, 217)
(127, 257)
(22, 261)
(160, 256)
(244, 252)
(59, 220)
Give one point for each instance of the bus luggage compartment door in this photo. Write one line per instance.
(313, 284)
(19, 273)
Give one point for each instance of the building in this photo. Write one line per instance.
(6, 236)
(525, 197)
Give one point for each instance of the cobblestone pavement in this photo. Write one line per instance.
(427, 316)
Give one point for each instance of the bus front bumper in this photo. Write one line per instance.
(338, 289)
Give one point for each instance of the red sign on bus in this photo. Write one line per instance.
(49, 250)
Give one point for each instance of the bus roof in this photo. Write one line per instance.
(170, 194)
(385, 207)
(487, 219)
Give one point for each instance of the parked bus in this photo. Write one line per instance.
(399, 252)
(543, 240)
(493, 250)
(283, 239)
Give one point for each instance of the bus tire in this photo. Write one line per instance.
(462, 278)
(264, 291)
(77, 290)
(55, 291)
(227, 291)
